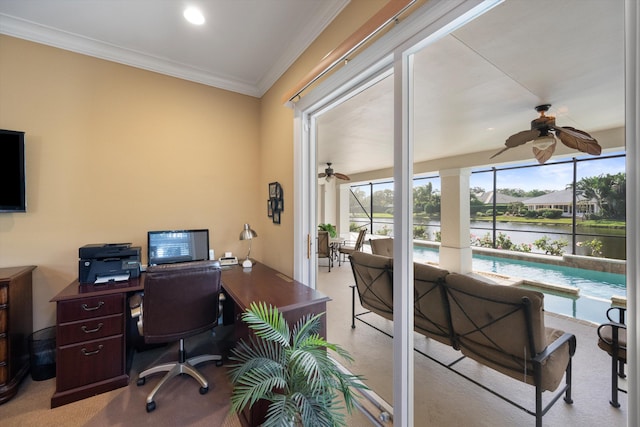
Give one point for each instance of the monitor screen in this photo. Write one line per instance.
(171, 246)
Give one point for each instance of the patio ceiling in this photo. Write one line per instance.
(480, 84)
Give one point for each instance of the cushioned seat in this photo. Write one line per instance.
(348, 249)
(431, 310)
(382, 246)
(501, 327)
(179, 301)
(324, 248)
(612, 338)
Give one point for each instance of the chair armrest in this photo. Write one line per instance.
(621, 314)
(551, 348)
(136, 308)
(615, 327)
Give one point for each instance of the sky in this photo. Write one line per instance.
(548, 177)
(551, 176)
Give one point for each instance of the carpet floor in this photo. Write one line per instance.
(442, 398)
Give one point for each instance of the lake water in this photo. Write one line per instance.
(613, 240)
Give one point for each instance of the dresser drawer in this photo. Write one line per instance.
(89, 362)
(4, 350)
(4, 373)
(90, 329)
(3, 319)
(4, 294)
(85, 308)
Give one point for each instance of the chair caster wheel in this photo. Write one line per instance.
(151, 406)
(141, 381)
(204, 390)
(218, 362)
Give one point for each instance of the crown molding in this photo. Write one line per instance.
(31, 31)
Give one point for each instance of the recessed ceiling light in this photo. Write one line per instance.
(194, 16)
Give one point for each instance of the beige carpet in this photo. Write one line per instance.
(179, 403)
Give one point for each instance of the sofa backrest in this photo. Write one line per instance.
(489, 318)
(431, 308)
(382, 246)
(373, 275)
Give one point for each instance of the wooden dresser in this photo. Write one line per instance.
(16, 324)
(90, 340)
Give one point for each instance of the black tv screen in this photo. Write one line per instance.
(12, 172)
(171, 246)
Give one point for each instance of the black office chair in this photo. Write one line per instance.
(612, 338)
(179, 301)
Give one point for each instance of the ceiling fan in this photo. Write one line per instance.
(544, 132)
(329, 174)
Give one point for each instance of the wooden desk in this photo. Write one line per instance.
(262, 283)
(91, 332)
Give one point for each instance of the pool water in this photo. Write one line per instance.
(596, 287)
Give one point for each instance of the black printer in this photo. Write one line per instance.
(108, 262)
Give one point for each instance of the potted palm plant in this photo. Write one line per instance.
(292, 370)
(330, 228)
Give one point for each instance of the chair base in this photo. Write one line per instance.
(173, 369)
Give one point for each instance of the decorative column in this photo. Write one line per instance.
(455, 246)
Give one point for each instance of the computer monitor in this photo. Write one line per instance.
(171, 246)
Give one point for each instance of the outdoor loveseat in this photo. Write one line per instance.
(499, 326)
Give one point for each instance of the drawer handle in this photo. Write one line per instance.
(87, 308)
(90, 331)
(91, 353)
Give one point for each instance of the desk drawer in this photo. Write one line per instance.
(88, 362)
(90, 329)
(85, 308)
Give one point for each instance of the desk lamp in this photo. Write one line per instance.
(248, 234)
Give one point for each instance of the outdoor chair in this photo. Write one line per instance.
(382, 246)
(324, 247)
(348, 249)
(612, 338)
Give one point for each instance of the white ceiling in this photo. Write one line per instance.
(489, 74)
(244, 45)
(481, 84)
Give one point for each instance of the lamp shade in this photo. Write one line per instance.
(544, 142)
(247, 233)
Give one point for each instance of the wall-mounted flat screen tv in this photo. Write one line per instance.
(171, 246)
(12, 172)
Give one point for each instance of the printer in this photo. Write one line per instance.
(108, 262)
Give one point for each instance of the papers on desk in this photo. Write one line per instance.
(114, 278)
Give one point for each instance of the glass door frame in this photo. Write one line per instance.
(393, 51)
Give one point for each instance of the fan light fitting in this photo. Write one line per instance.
(329, 174)
(543, 134)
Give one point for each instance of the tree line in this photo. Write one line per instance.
(607, 190)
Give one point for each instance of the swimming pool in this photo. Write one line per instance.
(596, 287)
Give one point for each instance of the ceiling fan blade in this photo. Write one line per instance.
(322, 175)
(522, 138)
(342, 176)
(518, 139)
(574, 132)
(500, 152)
(579, 140)
(544, 154)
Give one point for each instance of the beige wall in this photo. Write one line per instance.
(276, 132)
(114, 151)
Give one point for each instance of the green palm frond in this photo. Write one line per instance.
(267, 323)
(306, 326)
(294, 372)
